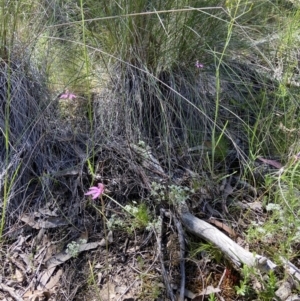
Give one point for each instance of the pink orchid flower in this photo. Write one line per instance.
(199, 65)
(95, 192)
(68, 95)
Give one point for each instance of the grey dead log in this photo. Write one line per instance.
(233, 251)
(229, 248)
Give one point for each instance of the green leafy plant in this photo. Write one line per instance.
(212, 297)
(73, 247)
(174, 194)
(268, 284)
(269, 287)
(137, 217)
(280, 230)
(243, 288)
(209, 250)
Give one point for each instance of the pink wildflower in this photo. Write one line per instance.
(68, 95)
(95, 192)
(199, 65)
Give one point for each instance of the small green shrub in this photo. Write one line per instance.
(137, 217)
(73, 247)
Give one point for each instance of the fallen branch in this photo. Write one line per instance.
(291, 268)
(232, 250)
(182, 252)
(182, 256)
(160, 254)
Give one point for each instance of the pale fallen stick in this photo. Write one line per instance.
(231, 249)
(236, 253)
(291, 268)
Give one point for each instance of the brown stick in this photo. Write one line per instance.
(182, 256)
(160, 254)
(11, 291)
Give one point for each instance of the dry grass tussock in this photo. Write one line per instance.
(143, 130)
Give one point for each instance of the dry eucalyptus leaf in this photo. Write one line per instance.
(273, 163)
(36, 295)
(210, 290)
(109, 239)
(63, 256)
(54, 280)
(38, 223)
(27, 259)
(19, 277)
(107, 292)
(58, 259)
(44, 278)
(47, 212)
(21, 240)
(257, 206)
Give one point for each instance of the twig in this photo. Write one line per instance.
(221, 280)
(11, 291)
(182, 256)
(160, 254)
